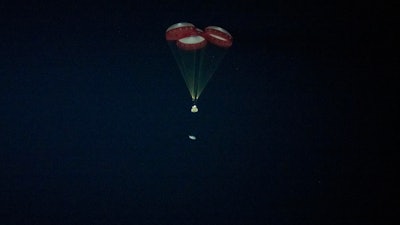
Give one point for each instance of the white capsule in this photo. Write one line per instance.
(194, 109)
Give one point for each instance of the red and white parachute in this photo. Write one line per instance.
(197, 53)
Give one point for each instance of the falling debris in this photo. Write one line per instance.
(191, 137)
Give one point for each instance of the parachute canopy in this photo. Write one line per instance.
(197, 53)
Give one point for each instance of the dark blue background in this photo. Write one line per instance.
(297, 126)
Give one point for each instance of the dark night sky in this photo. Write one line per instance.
(294, 128)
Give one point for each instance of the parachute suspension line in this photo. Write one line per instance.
(195, 77)
(199, 74)
(197, 80)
